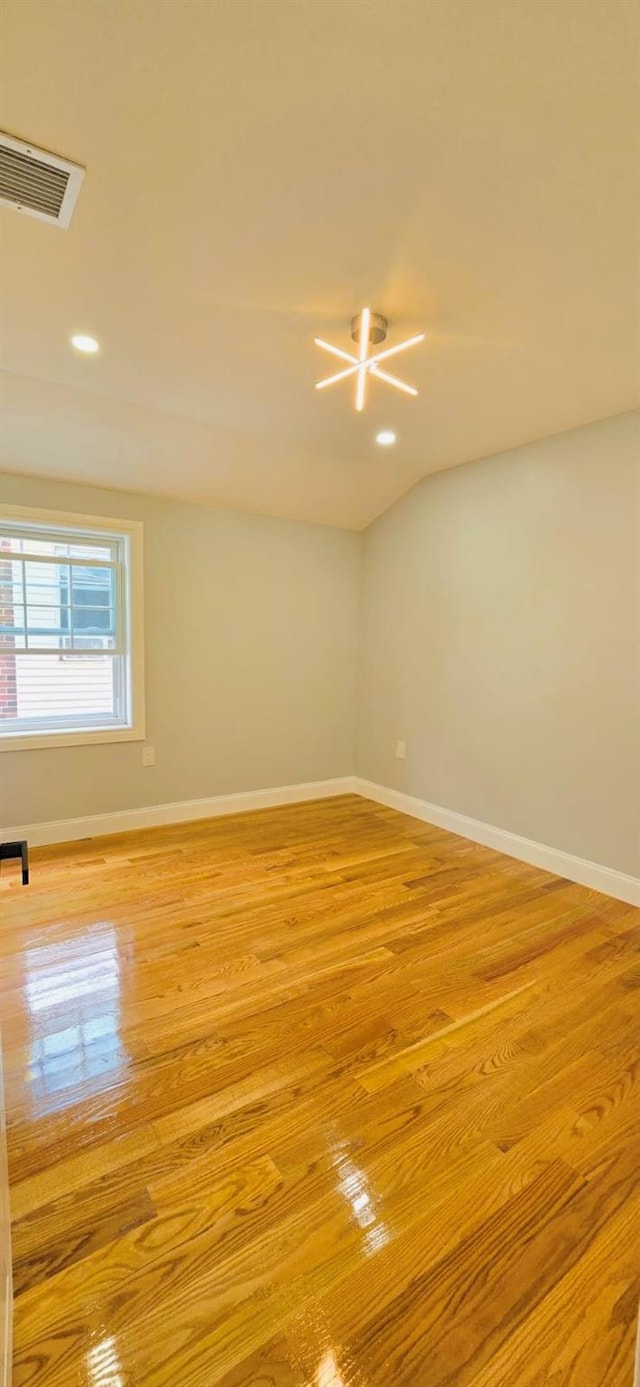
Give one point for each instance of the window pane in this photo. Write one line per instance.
(88, 551)
(46, 584)
(59, 547)
(60, 686)
(11, 618)
(93, 592)
(93, 641)
(10, 580)
(46, 621)
(10, 642)
(92, 587)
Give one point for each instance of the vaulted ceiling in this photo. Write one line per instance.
(257, 170)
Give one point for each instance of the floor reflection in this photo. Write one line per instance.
(356, 1189)
(80, 980)
(103, 1365)
(328, 1374)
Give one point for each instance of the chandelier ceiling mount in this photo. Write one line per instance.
(378, 325)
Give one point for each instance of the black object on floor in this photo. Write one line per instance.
(19, 849)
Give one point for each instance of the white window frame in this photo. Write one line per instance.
(85, 527)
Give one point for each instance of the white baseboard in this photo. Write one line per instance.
(564, 864)
(578, 869)
(183, 811)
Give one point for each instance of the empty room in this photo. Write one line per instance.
(320, 693)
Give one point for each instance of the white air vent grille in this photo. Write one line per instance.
(38, 183)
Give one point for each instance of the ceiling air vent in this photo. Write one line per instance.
(36, 182)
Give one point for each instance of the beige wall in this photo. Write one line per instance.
(250, 661)
(500, 639)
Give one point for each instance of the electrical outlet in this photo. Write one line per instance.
(148, 756)
(401, 750)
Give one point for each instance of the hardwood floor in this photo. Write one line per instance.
(319, 1097)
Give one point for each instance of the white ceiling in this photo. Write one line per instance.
(257, 170)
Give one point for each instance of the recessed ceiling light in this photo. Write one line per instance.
(386, 438)
(84, 344)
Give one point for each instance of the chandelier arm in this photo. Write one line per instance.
(400, 347)
(336, 351)
(365, 324)
(342, 375)
(393, 380)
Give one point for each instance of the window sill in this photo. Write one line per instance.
(40, 741)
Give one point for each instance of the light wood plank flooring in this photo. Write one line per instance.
(319, 1097)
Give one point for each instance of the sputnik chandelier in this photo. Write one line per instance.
(368, 330)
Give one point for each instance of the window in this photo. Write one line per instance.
(70, 629)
